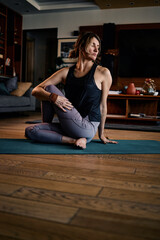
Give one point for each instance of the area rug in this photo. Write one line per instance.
(24, 146)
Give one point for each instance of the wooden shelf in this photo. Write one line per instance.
(11, 41)
(144, 119)
(120, 106)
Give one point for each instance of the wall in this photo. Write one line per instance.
(67, 22)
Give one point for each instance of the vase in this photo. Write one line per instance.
(131, 90)
(149, 90)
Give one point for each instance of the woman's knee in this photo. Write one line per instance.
(31, 131)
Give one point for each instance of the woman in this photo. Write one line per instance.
(83, 109)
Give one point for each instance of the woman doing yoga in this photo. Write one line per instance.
(83, 109)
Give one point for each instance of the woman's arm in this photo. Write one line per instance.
(39, 91)
(106, 84)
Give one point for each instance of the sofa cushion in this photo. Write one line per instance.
(13, 101)
(21, 89)
(11, 84)
(3, 89)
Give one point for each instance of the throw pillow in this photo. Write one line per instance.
(11, 84)
(3, 89)
(21, 89)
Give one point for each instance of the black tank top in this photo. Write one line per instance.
(84, 94)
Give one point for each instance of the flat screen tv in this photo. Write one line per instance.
(139, 53)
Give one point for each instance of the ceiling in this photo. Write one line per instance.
(43, 6)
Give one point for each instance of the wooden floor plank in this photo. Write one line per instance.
(129, 195)
(91, 158)
(39, 210)
(105, 165)
(18, 170)
(33, 229)
(118, 181)
(110, 180)
(121, 224)
(8, 189)
(133, 207)
(123, 173)
(81, 165)
(50, 184)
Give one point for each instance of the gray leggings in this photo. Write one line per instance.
(70, 124)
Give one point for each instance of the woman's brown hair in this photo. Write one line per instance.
(82, 41)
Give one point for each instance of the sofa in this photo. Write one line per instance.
(16, 96)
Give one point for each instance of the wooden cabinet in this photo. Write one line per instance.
(14, 43)
(128, 107)
(10, 42)
(3, 38)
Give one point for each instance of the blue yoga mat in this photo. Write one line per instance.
(24, 146)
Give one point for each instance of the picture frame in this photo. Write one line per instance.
(65, 45)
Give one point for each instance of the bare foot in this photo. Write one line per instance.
(81, 142)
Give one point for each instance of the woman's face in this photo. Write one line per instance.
(92, 49)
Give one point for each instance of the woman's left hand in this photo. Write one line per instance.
(106, 140)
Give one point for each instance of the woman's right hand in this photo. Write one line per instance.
(106, 140)
(63, 103)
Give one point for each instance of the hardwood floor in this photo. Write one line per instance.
(78, 197)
